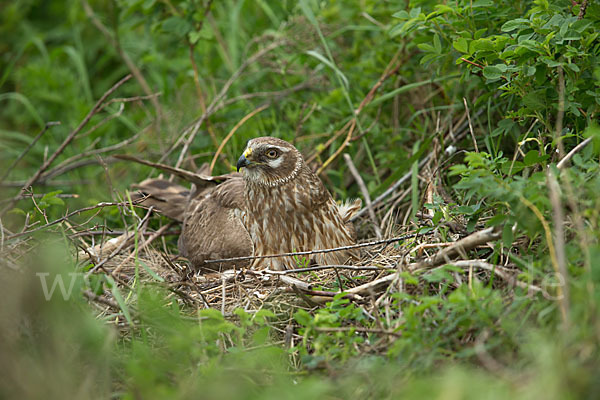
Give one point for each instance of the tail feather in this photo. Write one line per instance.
(349, 208)
(169, 198)
(347, 211)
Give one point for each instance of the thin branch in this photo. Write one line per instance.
(212, 106)
(89, 11)
(365, 193)
(70, 167)
(442, 256)
(29, 146)
(275, 94)
(303, 253)
(123, 241)
(64, 166)
(356, 329)
(322, 267)
(562, 163)
(470, 126)
(94, 297)
(41, 195)
(322, 296)
(559, 241)
(131, 99)
(498, 271)
(19, 184)
(117, 232)
(145, 244)
(77, 212)
(66, 142)
(408, 175)
(472, 63)
(582, 9)
(460, 247)
(231, 133)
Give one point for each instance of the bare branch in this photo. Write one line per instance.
(212, 106)
(303, 253)
(365, 193)
(66, 142)
(77, 212)
(562, 163)
(33, 142)
(442, 256)
(322, 267)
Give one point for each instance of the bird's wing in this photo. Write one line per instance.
(167, 197)
(213, 227)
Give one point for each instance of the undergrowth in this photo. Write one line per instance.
(483, 113)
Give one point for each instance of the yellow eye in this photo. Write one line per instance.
(272, 153)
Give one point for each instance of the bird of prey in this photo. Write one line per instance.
(275, 205)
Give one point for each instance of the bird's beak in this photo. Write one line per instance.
(243, 160)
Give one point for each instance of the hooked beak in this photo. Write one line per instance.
(242, 162)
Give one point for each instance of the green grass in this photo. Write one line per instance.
(531, 81)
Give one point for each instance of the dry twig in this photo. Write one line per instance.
(66, 142)
(303, 253)
(365, 193)
(29, 146)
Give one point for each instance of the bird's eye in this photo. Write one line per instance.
(272, 153)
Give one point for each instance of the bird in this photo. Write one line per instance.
(275, 205)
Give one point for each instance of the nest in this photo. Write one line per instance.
(369, 283)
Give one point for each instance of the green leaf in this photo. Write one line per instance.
(95, 283)
(496, 220)
(443, 9)
(426, 47)
(507, 235)
(261, 316)
(461, 44)
(177, 26)
(437, 43)
(51, 199)
(415, 12)
(514, 24)
(492, 72)
(581, 25)
(401, 15)
(428, 58)
(535, 100)
(17, 211)
(529, 70)
(303, 317)
(532, 157)
(211, 313)
(483, 44)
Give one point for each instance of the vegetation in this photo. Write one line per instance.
(479, 114)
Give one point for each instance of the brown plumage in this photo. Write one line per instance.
(276, 205)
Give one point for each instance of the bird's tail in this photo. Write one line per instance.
(349, 208)
(347, 211)
(169, 198)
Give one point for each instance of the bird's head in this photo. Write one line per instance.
(269, 161)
